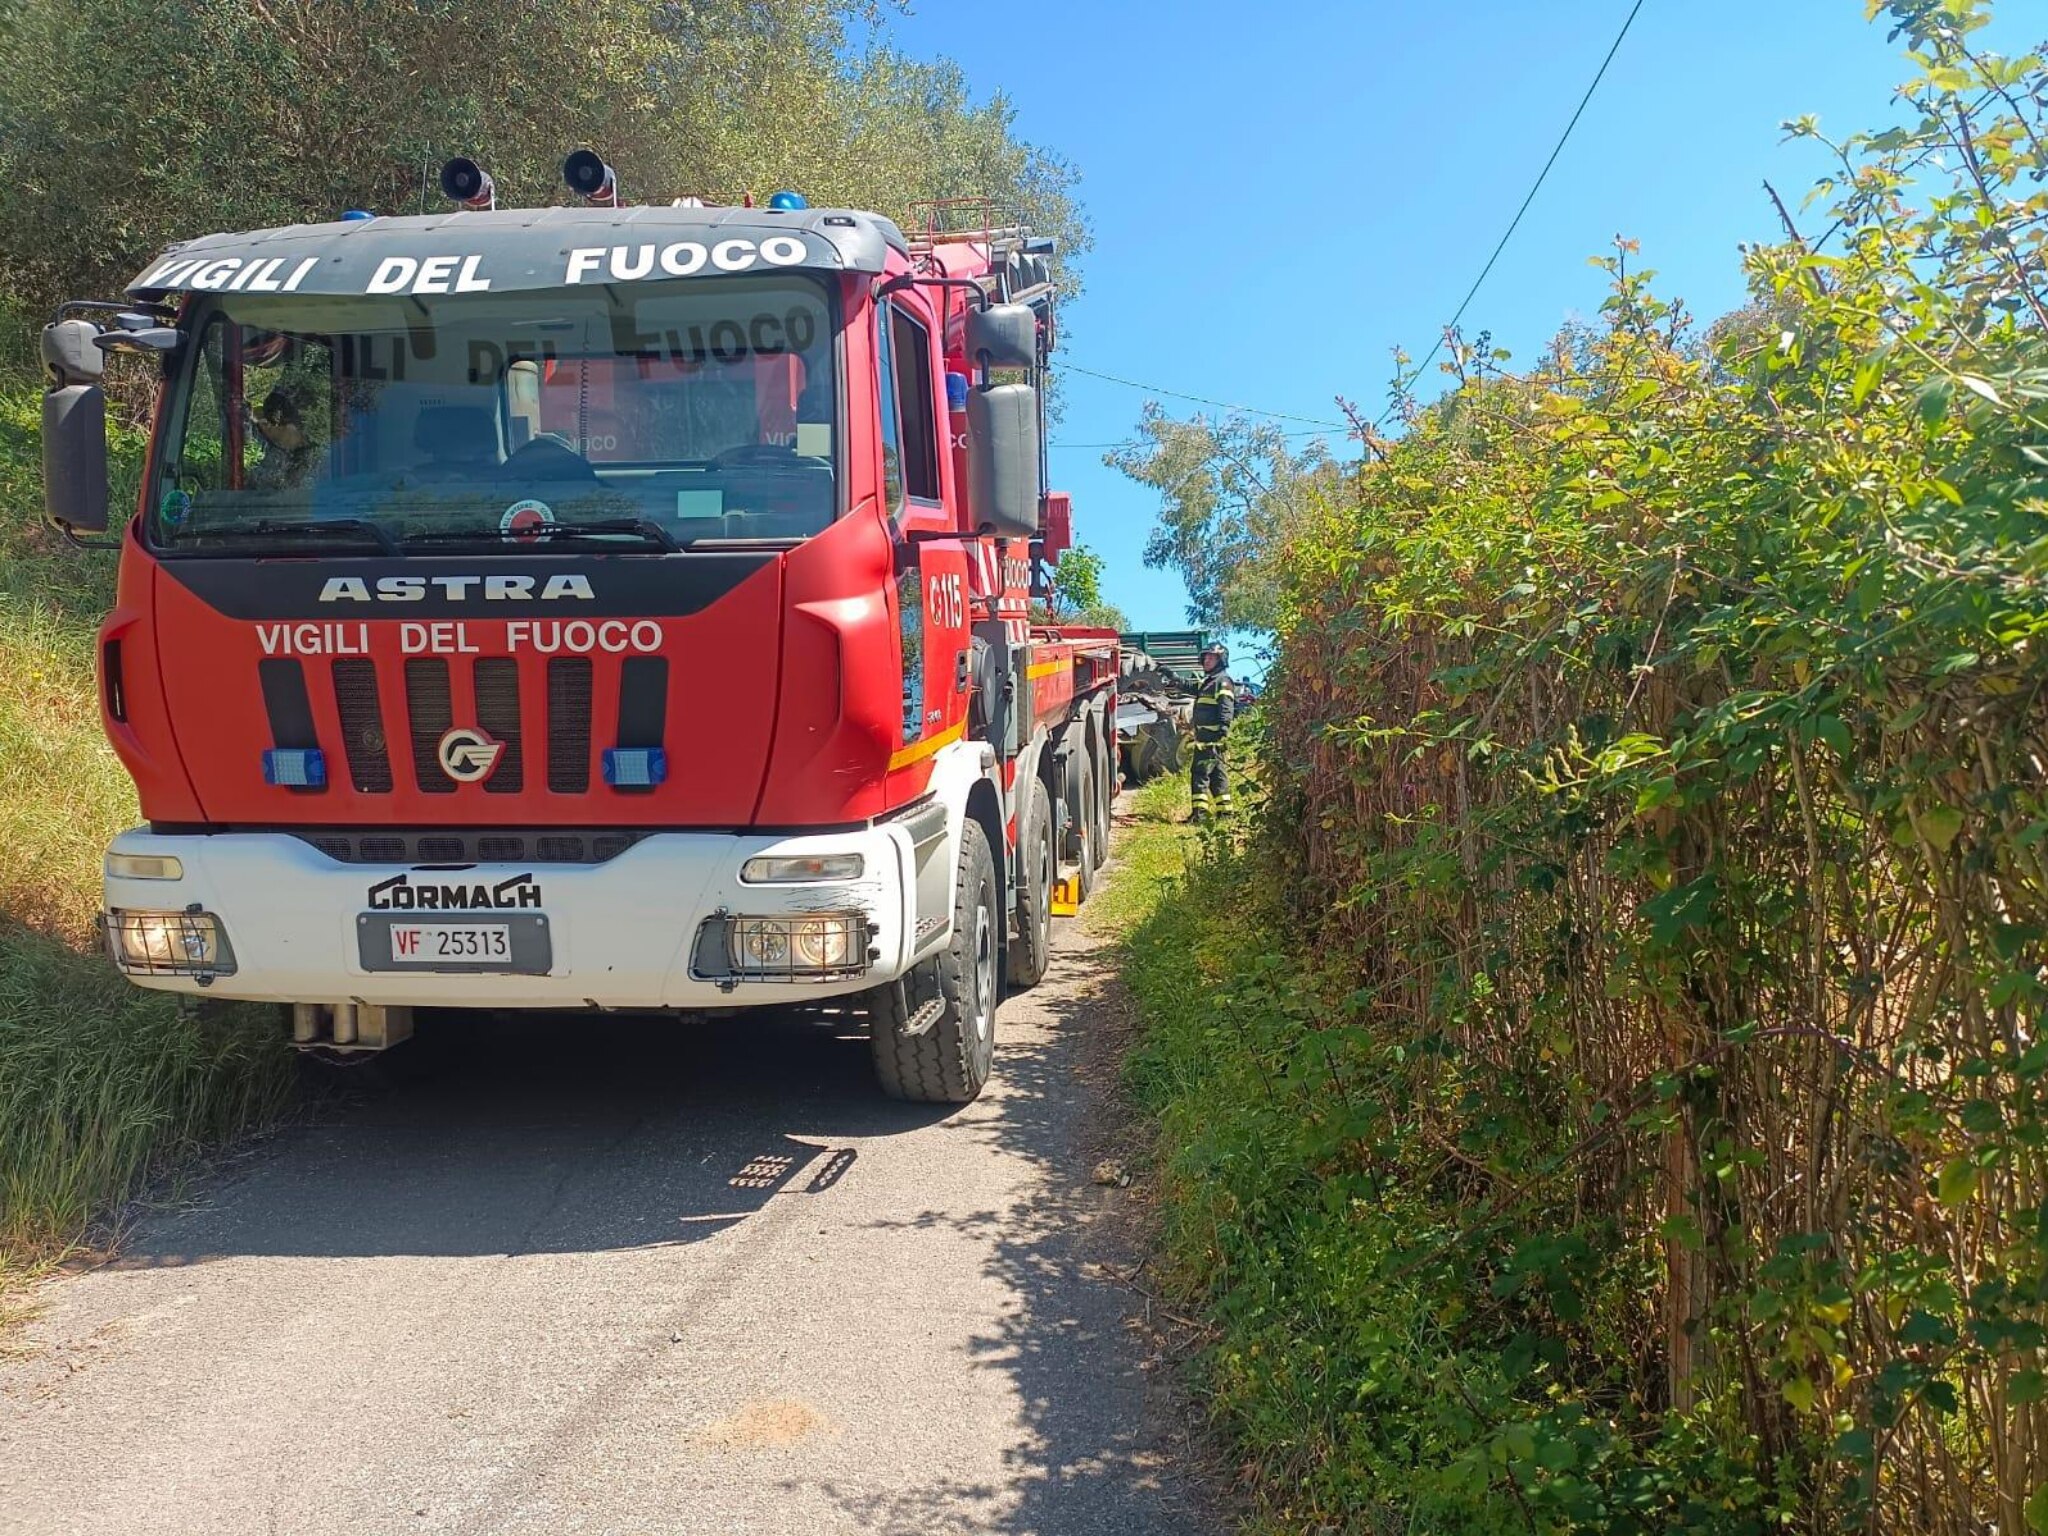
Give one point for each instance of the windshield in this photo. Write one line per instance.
(668, 414)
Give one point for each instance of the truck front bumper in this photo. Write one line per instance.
(669, 923)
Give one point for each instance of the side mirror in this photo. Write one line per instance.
(75, 457)
(72, 351)
(1002, 460)
(1008, 333)
(155, 338)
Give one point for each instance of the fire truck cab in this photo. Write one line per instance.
(592, 607)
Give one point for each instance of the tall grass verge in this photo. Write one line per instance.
(102, 1085)
(1151, 849)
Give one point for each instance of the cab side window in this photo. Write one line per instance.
(911, 347)
(892, 436)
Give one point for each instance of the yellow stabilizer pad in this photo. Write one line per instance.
(1066, 897)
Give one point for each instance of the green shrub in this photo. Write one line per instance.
(1610, 1097)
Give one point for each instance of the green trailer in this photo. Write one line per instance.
(1155, 696)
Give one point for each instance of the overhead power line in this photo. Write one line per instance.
(1132, 442)
(1181, 394)
(1534, 187)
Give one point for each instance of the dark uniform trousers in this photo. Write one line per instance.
(1215, 708)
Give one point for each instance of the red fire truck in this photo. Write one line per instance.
(599, 606)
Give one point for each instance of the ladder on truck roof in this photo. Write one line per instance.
(1019, 260)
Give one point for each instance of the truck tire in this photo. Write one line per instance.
(933, 1033)
(1141, 755)
(1087, 828)
(1031, 950)
(1105, 800)
(1172, 747)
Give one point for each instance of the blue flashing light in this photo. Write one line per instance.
(350, 214)
(956, 392)
(635, 767)
(295, 767)
(787, 201)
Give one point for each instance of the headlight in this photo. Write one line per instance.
(168, 943)
(793, 869)
(143, 866)
(802, 944)
(760, 944)
(821, 943)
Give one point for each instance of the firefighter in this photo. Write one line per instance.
(289, 449)
(1215, 708)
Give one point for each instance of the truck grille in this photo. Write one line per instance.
(569, 725)
(497, 711)
(426, 703)
(431, 709)
(362, 726)
(593, 846)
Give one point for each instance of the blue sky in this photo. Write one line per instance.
(1280, 193)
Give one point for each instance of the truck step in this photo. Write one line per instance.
(925, 1017)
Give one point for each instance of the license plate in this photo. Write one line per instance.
(511, 944)
(439, 943)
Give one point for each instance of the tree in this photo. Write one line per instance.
(235, 114)
(1230, 491)
(1076, 596)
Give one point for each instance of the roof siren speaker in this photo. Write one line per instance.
(464, 181)
(591, 179)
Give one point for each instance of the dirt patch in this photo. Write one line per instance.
(1122, 1235)
(769, 1423)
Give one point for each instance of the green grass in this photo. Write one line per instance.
(63, 794)
(1263, 1234)
(102, 1086)
(1151, 851)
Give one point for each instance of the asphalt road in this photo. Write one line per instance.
(625, 1277)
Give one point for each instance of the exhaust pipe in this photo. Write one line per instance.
(591, 179)
(464, 181)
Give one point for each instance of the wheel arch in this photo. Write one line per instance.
(984, 809)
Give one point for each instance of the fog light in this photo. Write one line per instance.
(150, 943)
(793, 869)
(143, 866)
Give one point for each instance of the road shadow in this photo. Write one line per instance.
(558, 1135)
(1108, 1447)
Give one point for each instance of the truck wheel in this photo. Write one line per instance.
(1085, 823)
(933, 1033)
(1031, 949)
(1172, 756)
(1105, 798)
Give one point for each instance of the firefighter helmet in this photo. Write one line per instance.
(1220, 651)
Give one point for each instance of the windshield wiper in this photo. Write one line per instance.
(326, 527)
(646, 527)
